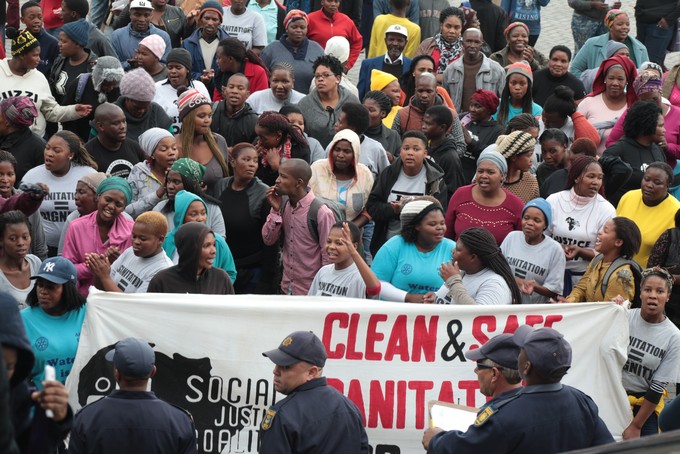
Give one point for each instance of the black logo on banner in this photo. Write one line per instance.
(447, 355)
(223, 426)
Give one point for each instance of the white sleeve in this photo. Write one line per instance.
(259, 32)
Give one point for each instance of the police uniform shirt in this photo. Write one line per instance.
(315, 418)
(131, 422)
(540, 419)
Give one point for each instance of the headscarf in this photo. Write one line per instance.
(494, 158)
(189, 168)
(628, 68)
(509, 28)
(150, 139)
(486, 98)
(294, 15)
(188, 257)
(658, 271)
(611, 16)
(18, 111)
(647, 82)
(116, 184)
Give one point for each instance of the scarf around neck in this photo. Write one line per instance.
(448, 51)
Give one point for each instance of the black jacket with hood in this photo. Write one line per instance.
(34, 432)
(183, 278)
(382, 212)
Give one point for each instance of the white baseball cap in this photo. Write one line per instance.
(142, 4)
(397, 29)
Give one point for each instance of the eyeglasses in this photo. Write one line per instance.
(323, 76)
(487, 366)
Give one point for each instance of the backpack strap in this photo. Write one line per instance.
(616, 264)
(82, 83)
(313, 218)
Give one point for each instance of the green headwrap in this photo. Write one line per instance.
(116, 184)
(189, 169)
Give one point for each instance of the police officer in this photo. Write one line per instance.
(314, 417)
(544, 417)
(132, 419)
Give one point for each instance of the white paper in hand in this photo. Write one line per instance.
(452, 417)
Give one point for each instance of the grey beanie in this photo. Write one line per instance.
(612, 47)
(107, 69)
(181, 56)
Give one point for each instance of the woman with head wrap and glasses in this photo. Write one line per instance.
(106, 231)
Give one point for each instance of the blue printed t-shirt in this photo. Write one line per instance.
(404, 266)
(536, 111)
(54, 340)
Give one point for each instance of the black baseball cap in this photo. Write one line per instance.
(546, 348)
(500, 349)
(299, 346)
(133, 357)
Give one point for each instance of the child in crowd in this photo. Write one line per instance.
(348, 274)
(137, 265)
(619, 238)
(536, 260)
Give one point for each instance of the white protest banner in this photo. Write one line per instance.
(389, 358)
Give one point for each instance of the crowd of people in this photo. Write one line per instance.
(211, 149)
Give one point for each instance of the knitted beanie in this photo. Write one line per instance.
(211, 5)
(515, 143)
(542, 205)
(181, 56)
(415, 210)
(155, 44)
(381, 79)
(107, 69)
(189, 99)
(22, 41)
(522, 68)
(78, 31)
(138, 85)
(613, 47)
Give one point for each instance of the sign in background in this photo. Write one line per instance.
(390, 359)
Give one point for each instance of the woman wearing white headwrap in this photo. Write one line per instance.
(148, 177)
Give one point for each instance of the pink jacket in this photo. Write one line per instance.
(82, 237)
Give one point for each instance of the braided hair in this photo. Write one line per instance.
(482, 243)
(383, 101)
(274, 122)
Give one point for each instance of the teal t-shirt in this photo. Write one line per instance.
(404, 266)
(536, 111)
(54, 340)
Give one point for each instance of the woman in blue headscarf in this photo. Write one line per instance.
(105, 231)
(191, 208)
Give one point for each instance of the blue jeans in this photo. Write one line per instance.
(651, 426)
(656, 40)
(98, 12)
(369, 228)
